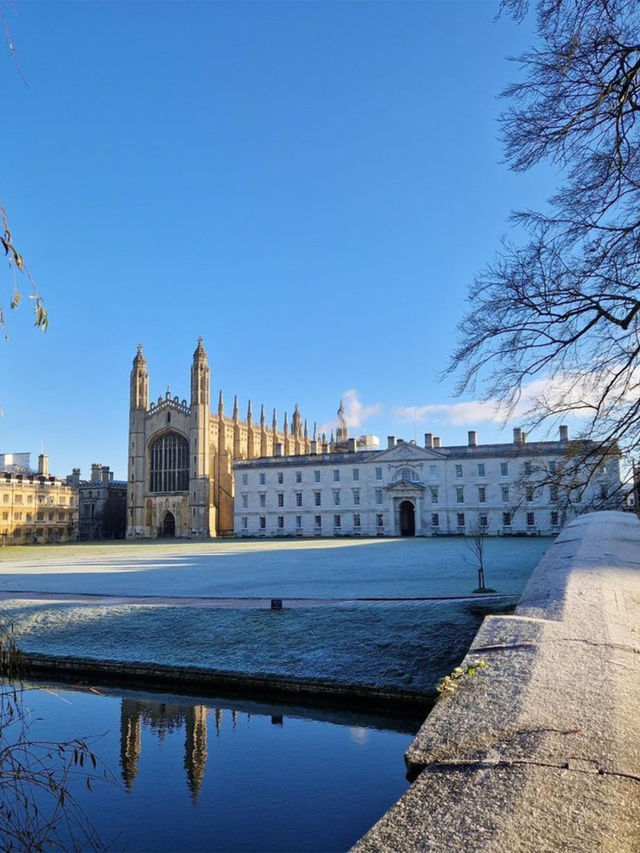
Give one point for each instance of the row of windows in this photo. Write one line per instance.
(483, 519)
(336, 475)
(40, 516)
(317, 498)
(403, 474)
(379, 496)
(61, 499)
(317, 521)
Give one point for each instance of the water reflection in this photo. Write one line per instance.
(162, 718)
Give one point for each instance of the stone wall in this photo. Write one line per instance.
(541, 751)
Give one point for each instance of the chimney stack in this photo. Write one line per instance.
(436, 441)
(352, 445)
(391, 441)
(473, 438)
(564, 433)
(428, 439)
(278, 451)
(96, 472)
(517, 435)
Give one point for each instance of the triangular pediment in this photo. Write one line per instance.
(406, 452)
(406, 487)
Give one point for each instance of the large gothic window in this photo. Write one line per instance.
(169, 463)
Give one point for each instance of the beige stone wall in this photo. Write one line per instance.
(36, 509)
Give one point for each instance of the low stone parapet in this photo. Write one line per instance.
(541, 750)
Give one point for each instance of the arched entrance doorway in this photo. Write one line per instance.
(407, 519)
(168, 528)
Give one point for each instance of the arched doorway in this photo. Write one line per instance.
(168, 528)
(407, 519)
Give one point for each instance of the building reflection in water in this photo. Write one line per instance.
(162, 718)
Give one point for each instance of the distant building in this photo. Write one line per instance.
(102, 503)
(34, 506)
(407, 490)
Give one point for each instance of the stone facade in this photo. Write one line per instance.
(101, 503)
(499, 489)
(180, 466)
(36, 507)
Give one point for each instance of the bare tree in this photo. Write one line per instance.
(474, 542)
(563, 306)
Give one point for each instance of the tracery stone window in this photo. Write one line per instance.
(169, 456)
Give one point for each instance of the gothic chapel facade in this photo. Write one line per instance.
(181, 455)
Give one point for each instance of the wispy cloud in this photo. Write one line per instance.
(566, 392)
(355, 412)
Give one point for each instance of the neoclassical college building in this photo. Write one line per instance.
(407, 490)
(180, 467)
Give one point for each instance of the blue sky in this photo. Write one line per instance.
(310, 186)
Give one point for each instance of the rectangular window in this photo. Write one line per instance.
(317, 497)
(245, 479)
(378, 496)
(316, 476)
(298, 522)
(280, 499)
(245, 522)
(506, 519)
(336, 475)
(432, 471)
(554, 519)
(263, 479)
(484, 521)
(336, 497)
(18, 499)
(280, 477)
(262, 499)
(460, 519)
(245, 501)
(378, 473)
(529, 495)
(356, 497)
(356, 519)
(17, 516)
(435, 519)
(482, 494)
(30, 499)
(480, 469)
(356, 474)
(553, 494)
(298, 476)
(527, 467)
(459, 494)
(504, 469)
(298, 498)
(336, 521)
(280, 522)
(505, 493)
(318, 521)
(458, 471)
(379, 520)
(530, 519)
(263, 522)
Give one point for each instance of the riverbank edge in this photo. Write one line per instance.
(154, 677)
(541, 751)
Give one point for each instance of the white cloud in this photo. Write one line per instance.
(561, 392)
(355, 412)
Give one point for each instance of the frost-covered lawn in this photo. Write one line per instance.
(404, 644)
(394, 568)
(407, 645)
